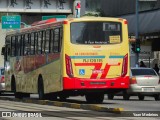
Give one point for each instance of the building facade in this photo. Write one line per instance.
(149, 26)
(112, 8)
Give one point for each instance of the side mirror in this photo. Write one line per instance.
(3, 51)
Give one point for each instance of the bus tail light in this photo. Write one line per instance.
(125, 22)
(69, 69)
(133, 80)
(2, 79)
(65, 22)
(125, 65)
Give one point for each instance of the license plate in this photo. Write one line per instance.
(148, 89)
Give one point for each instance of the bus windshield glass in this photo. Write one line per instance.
(96, 32)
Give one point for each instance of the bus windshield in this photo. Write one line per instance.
(96, 33)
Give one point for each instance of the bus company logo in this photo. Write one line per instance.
(6, 114)
(21, 114)
(98, 71)
(81, 72)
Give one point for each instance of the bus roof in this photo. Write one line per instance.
(53, 21)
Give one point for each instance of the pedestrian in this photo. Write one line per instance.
(156, 68)
(142, 64)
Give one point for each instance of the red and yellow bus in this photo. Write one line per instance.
(77, 56)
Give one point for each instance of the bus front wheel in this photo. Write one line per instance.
(16, 94)
(110, 96)
(40, 89)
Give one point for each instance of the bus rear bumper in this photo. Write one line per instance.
(79, 83)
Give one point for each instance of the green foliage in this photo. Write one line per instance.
(91, 14)
(97, 13)
(101, 12)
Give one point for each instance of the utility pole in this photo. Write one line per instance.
(137, 31)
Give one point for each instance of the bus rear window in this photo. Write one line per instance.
(96, 33)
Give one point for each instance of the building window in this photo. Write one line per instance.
(145, 5)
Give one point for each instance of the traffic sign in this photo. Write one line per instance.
(11, 22)
(53, 16)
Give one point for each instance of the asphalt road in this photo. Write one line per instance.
(51, 112)
(134, 104)
(148, 104)
(62, 113)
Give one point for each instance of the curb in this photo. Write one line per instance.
(92, 107)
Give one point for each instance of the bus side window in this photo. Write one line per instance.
(47, 41)
(32, 43)
(43, 41)
(7, 52)
(27, 44)
(13, 42)
(7, 48)
(18, 45)
(22, 44)
(57, 38)
(60, 41)
(36, 42)
(39, 43)
(51, 40)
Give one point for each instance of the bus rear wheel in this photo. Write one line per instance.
(41, 89)
(94, 98)
(18, 95)
(110, 96)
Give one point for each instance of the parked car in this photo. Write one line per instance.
(2, 82)
(143, 82)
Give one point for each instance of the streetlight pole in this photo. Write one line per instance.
(137, 29)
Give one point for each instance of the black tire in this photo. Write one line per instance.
(41, 89)
(100, 98)
(94, 98)
(62, 98)
(157, 97)
(126, 96)
(141, 97)
(26, 95)
(110, 96)
(13, 89)
(89, 98)
(50, 96)
(18, 95)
